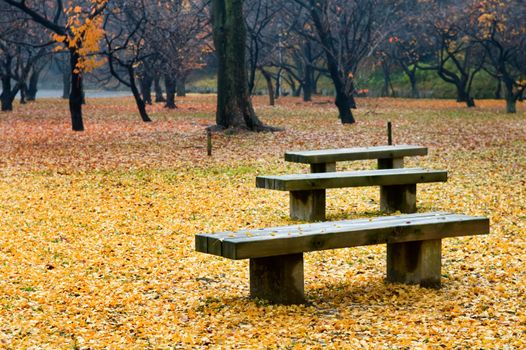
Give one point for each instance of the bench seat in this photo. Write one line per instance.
(390, 156)
(276, 254)
(307, 191)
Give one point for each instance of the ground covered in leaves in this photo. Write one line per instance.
(97, 229)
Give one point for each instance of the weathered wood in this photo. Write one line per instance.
(278, 279)
(400, 198)
(319, 181)
(417, 262)
(340, 234)
(358, 153)
(307, 205)
(323, 167)
(390, 163)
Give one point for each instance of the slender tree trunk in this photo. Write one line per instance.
(141, 106)
(277, 90)
(23, 93)
(412, 80)
(158, 90)
(270, 88)
(511, 99)
(66, 79)
(76, 93)
(146, 88)
(498, 90)
(169, 83)
(181, 85)
(387, 80)
(344, 98)
(234, 107)
(6, 97)
(308, 83)
(33, 85)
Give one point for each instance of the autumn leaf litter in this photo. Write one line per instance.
(98, 229)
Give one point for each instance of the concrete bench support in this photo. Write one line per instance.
(278, 279)
(307, 205)
(417, 262)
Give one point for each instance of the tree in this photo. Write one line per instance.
(348, 31)
(78, 33)
(20, 52)
(234, 107)
(126, 48)
(456, 58)
(501, 30)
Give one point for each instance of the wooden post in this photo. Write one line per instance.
(209, 142)
(398, 198)
(416, 262)
(389, 133)
(322, 167)
(307, 205)
(278, 279)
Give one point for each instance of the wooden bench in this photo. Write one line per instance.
(389, 157)
(276, 254)
(307, 191)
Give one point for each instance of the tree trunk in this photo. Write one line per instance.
(181, 85)
(76, 94)
(412, 80)
(141, 106)
(498, 90)
(464, 96)
(33, 85)
(270, 88)
(387, 80)
(66, 79)
(23, 93)
(6, 96)
(277, 90)
(169, 83)
(158, 90)
(511, 100)
(308, 83)
(234, 107)
(344, 98)
(146, 88)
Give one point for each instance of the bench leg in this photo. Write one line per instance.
(278, 279)
(416, 262)
(307, 205)
(323, 167)
(390, 163)
(398, 198)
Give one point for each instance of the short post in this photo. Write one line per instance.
(400, 198)
(389, 133)
(307, 205)
(278, 279)
(416, 262)
(209, 142)
(322, 167)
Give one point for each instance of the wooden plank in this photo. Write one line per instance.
(310, 227)
(348, 233)
(358, 153)
(319, 181)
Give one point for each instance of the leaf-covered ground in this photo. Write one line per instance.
(97, 229)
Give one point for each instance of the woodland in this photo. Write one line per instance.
(101, 198)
